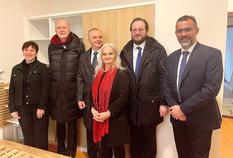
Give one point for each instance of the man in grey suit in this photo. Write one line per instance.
(88, 62)
(193, 80)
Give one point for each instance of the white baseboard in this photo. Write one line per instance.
(82, 149)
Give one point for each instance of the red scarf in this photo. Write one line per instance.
(101, 102)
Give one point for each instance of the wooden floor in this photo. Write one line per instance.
(81, 155)
(227, 126)
(226, 140)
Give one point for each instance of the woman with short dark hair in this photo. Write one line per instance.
(28, 94)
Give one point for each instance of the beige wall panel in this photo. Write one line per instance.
(124, 18)
(104, 20)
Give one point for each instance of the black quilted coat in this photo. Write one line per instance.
(64, 61)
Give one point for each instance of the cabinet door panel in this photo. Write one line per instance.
(126, 15)
(105, 21)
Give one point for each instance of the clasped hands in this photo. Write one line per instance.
(177, 113)
(100, 116)
(39, 114)
(97, 116)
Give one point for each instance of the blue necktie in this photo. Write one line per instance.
(138, 62)
(94, 60)
(182, 67)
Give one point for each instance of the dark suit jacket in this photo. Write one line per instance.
(199, 86)
(85, 79)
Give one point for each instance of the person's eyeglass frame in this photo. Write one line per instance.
(140, 30)
(184, 30)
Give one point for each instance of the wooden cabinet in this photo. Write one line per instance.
(115, 24)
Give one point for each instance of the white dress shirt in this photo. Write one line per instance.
(92, 54)
(181, 57)
(135, 53)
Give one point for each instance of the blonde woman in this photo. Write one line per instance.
(110, 99)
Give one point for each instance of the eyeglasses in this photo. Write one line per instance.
(137, 30)
(185, 30)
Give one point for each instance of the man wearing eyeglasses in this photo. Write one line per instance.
(194, 77)
(144, 57)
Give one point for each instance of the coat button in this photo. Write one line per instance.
(26, 96)
(152, 101)
(27, 103)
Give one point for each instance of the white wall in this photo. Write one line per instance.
(12, 13)
(230, 5)
(12, 34)
(211, 16)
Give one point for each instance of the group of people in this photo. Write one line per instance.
(122, 96)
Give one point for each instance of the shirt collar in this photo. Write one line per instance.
(92, 51)
(142, 45)
(190, 49)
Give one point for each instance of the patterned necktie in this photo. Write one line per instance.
(182, 67)
(138, 61)
(94, 60)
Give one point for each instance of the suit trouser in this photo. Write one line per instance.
(143, 142)
(70, 148)
(35, 131)
(91, 146)
(107, 152)
(191, 143)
